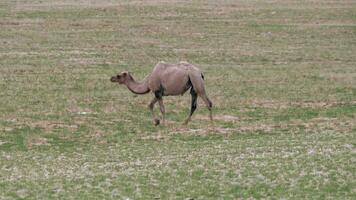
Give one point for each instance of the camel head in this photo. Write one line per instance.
(121, 77)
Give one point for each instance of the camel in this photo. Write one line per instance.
(169, 80)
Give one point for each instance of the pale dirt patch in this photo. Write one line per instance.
(266, 104)
(49, 126)
(22, 193)
(294, 126)
(168, 122)
(313, 125)
(304, 104)
(320, 104)
(110, 108)
(36, 141)
(20, 23)
(202, 131)
(2, 142)
(259, 127)
(83, 61)
(95, 134)
(101, 5)
(74, 108)
(322, 124)
(225, 118)
(54, 53)
(9, 23)
(220, 7)
(8, 129)
(158, 136)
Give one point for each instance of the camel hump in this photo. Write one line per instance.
(161, 64)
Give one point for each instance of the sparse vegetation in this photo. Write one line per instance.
(281, 74)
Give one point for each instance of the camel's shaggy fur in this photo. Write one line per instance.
(168, 80)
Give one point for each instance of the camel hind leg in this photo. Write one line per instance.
(208, 104)
(194, 104)
(198, 84)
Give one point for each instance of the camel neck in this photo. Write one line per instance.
(137, 87)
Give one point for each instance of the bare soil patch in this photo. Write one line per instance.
(49, 126)
(36, 141)
(225, 118)
(294, 126)
(303, 104)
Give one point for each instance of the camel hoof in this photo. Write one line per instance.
(156, 122)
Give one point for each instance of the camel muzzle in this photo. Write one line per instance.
(113, 79)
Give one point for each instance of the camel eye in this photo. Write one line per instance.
(118, 76)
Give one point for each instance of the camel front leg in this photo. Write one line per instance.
(159, 95)
(163, 111)
(151, 106)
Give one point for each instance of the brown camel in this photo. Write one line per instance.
(168, 80)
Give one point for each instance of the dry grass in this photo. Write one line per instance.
(281, 75)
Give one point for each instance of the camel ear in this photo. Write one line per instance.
(124, 74)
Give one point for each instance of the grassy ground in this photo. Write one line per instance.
(281, 75)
